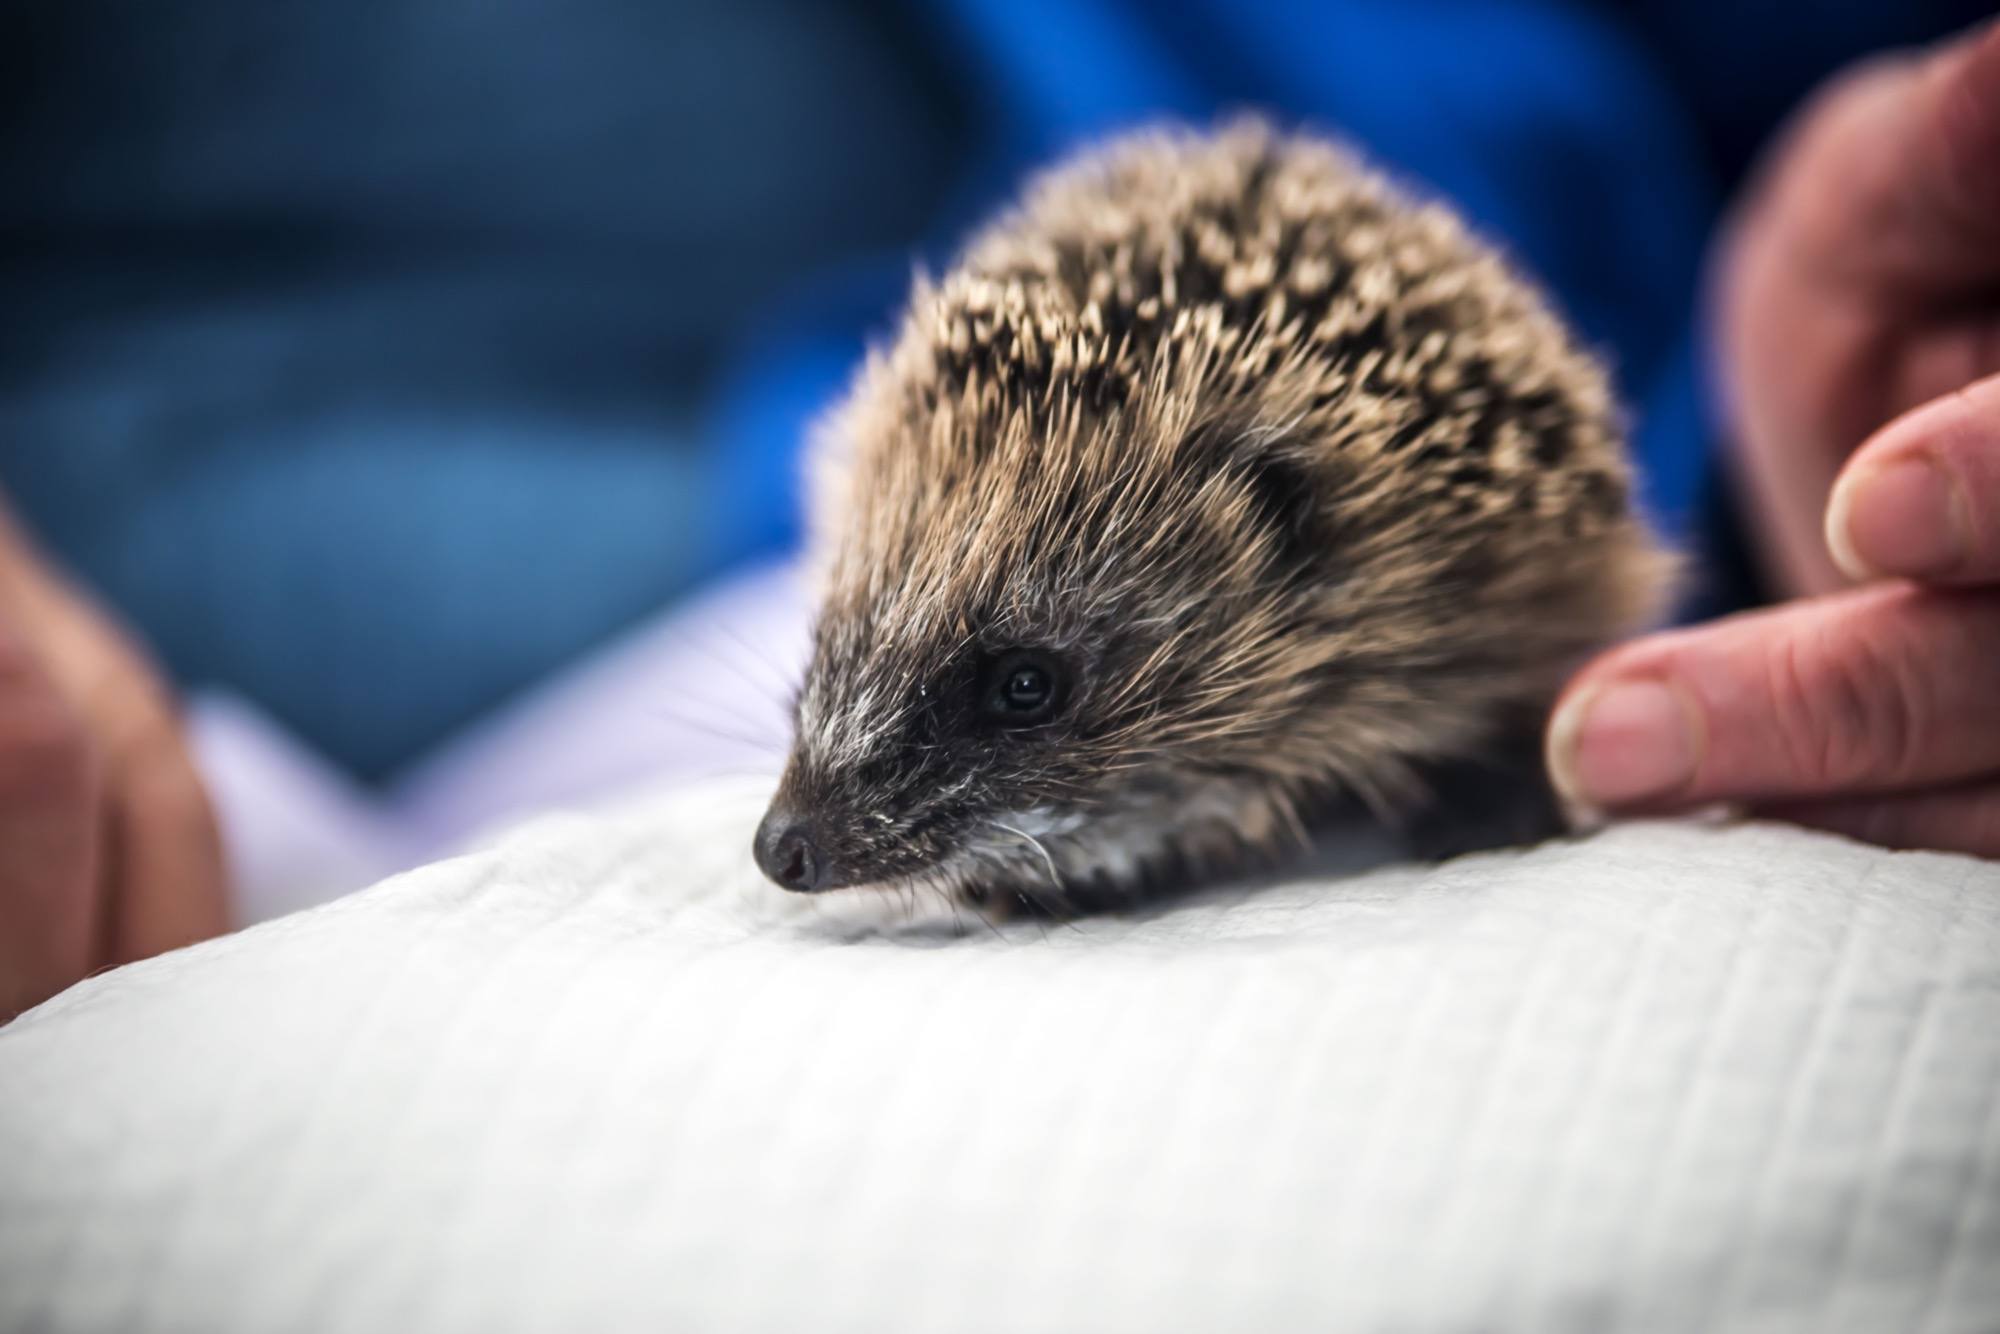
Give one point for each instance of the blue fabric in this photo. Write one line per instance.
(364, 356)
(377, 359)
(1543, 123)
(1596, 143)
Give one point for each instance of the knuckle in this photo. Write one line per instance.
(1804, 725)
(1847, 711)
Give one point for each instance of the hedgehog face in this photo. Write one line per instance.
(1028, 702)
(907, 758)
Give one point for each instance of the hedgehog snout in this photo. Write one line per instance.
(790, 852)
(810, 841)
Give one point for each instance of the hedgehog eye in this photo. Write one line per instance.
(1021, 687)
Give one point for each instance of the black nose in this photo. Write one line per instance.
(787, 853)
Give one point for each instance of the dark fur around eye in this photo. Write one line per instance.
(1022, 687)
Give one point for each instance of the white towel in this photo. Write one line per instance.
(600, 1078)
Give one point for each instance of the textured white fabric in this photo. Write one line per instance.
(1670, 1078)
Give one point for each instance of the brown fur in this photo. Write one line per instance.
(1311, 491)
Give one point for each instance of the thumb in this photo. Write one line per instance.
(1921, 499)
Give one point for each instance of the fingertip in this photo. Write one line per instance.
(1622, 743)
(1908, 502)
(1839, 527)
(1904, 516)
(1559, 755)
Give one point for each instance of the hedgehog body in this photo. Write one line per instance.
(1219, 484)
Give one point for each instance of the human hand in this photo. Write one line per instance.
(1860, 280)
(1863, 282)
(108, 849)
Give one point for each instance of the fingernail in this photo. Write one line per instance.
(1904, 518)
(1626, 742)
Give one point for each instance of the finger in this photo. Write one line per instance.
(161, 878)
(1956, 819)
(50, 811)
(1922, 498)
(164, 873)
(1955, 167)
(1846, 291)
(1910, 147)
(1877, 689)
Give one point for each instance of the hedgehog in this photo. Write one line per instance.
(1221, 490)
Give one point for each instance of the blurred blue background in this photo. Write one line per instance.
(378, 358)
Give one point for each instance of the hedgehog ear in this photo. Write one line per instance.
(1280, 485)
(1284, 498)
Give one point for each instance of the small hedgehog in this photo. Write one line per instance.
(1219, 488)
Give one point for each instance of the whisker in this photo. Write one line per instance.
(712, 652)
(710, 727)
(1055, 877)
(785, 681)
